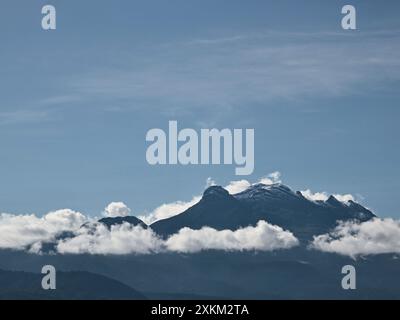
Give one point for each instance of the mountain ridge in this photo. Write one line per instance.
(276, 203)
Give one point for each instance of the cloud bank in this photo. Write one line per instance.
(263, 237)
(377, 236)
(29, 231)
(120, 240)
(87, 236)
(126, 239)
(74, 233)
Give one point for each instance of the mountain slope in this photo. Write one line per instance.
(217, 209)
(279, 205)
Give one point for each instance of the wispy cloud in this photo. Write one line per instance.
(295, 35)
(240, 70)
(227, 73)
(21, 116)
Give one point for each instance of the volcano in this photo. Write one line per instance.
(277, 204)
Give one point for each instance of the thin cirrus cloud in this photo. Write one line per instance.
(377, 236)
(239, 70)
(23, 116)
(233, 71)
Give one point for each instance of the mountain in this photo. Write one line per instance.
(276, 204)
(217, 209)
(279, 205)
(16, 285)
(296, 273)
(109, 222)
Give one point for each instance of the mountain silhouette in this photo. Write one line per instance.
(277, 204)
(17, 285)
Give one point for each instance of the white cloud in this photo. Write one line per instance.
(376, 236)
(24, 231)
(168, 210)
(29, 232)
(263, 237)
(121, 239)
(344, 197)
(272, 178)
(126, 239)
(237, 186)
(323, 196)
(117, 209)
(317, 196)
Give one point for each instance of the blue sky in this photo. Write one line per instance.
(76, 103)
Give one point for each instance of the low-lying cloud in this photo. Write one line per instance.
(377, 236)
(263, 237)
(28, 231)
(119, 240)
(71, 232)
(127, 239)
